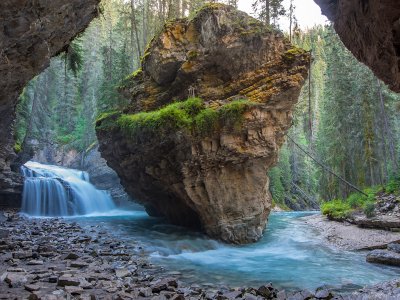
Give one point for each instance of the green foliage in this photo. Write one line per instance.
(171, 117)
(17, 147)
(369, 209)
(206, 122)
(291, 54)
(393, 186)
(232, 114)
(74, 57)
(65, 139)
(336, 209)
(355, 202)
(104, 119)
(277, 188)
(191, 115)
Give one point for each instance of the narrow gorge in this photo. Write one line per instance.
(179, 149)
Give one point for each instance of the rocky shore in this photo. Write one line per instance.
(54, 258)
(347, 236)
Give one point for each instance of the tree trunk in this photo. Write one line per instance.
(134, 31)
(267, 13)
(387, 129)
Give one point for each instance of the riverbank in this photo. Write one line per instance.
(346, 236)
(58, 259)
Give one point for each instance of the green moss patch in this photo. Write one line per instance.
(106, 119)
(292, 53)
(169, 118)
(17, 147)
(191, 115)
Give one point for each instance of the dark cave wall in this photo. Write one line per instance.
(31, 32)
(370, 29)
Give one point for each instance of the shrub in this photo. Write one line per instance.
(336, 209)
(369, 209)
(17, 147)
(356, 200)
(393, 186)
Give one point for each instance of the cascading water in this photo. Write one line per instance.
(56, 191)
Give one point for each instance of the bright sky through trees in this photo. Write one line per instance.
(307, 12)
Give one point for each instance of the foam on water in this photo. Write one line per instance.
(56, 191)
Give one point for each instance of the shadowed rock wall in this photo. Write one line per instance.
(371, 31)
(31, 32)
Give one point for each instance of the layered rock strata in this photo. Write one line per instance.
(31, 32)
(371, 31)
(203, 162)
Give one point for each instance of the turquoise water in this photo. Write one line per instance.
(291, 254)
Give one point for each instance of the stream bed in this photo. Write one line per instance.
(291, 255)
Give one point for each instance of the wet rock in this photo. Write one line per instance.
(145, 292)
(394, 247)
(22, 254)
(4, 233)
(15, 279)
(384, 257)
(79, 264)
(323, 294)
(122, 273)
(46, 248)
(71, 256)
(68, 280)
(74, 290)
(232, 295)
(163, 284)
(35, 262)
(177, 297)
(267, 291)
(32, 287)
(248, 296)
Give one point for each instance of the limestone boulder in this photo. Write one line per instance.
(203, 162)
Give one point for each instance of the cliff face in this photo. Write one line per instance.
(371, 31)
(203, 162)
(31, 32)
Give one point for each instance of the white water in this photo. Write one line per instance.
(56, 191)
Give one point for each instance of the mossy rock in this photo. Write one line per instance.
(191, 116)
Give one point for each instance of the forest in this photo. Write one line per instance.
(341, 97)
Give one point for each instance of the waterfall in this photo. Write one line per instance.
(56, 191)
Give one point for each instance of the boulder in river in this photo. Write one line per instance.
(202, 162)
(385, 257)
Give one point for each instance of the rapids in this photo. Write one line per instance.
(291, 255)
(56, 191)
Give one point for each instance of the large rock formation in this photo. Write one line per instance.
(203, 163)
(371, 31)
(31, 32)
